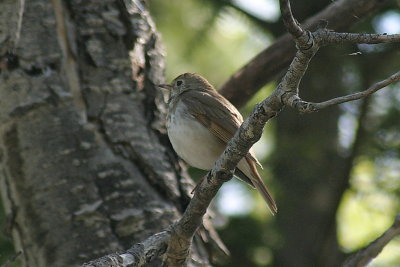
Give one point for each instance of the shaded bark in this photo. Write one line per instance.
(85, 167)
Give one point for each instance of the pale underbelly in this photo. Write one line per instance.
(194, 143)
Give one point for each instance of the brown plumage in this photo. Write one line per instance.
(201, 122)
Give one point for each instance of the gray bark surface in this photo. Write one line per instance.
(85, 168)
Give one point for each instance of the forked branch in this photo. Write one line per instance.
(267, 65)
(307, 107)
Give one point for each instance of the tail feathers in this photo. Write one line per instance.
(261, 188)
(251, 156)
(242, 176)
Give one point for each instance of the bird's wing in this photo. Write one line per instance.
(222, 120)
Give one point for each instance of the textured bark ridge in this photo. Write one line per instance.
(85, 169)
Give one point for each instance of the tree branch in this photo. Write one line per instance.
(138, 255)
(331, 38)
(367, 254)
(307, 107)
(291, 24)
(267, 65)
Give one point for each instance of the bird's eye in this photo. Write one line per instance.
(179, 83)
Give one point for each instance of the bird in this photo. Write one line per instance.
(200, 122)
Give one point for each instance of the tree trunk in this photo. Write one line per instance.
(85, 166)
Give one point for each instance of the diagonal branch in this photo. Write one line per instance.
(367, 254)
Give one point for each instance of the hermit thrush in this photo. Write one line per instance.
(200, 122)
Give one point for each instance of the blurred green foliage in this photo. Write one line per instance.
(212, 40)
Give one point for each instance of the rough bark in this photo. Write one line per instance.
(85, 169)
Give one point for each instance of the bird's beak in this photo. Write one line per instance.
(165, 86)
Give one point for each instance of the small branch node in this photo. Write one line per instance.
(291, 24)
(293, 99)
(295, 102)
(306, 42)
(306, 107)
(224, 175)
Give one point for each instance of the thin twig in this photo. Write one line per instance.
(367, 254)
(271, 62)
(19, 25)
(307, 107)
(329, 38)
(290, 22)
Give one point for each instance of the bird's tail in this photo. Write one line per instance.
(261, 187)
